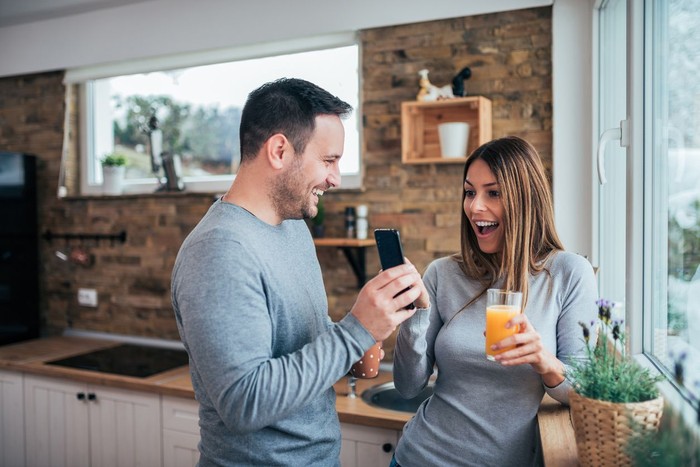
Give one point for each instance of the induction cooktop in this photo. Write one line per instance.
(127, 359)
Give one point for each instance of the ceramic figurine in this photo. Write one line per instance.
(458, 88)
(430, 92)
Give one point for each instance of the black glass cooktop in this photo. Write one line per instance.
(127, 359)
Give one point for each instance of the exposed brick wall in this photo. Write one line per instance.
(510, 57)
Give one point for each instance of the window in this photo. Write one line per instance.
(653, 261)
(197, 109)
(673, 213)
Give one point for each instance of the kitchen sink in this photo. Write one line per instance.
(386, 396)
(127, 359)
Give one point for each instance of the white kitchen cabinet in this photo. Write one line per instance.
(11, 419)
(364, 446)
(180, 432)
(73, 424)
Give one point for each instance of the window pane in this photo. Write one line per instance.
(612, 104)
(675, 168)
(198, 109)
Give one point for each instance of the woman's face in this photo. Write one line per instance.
(484, 207)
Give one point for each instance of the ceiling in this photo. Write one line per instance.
(13, 12)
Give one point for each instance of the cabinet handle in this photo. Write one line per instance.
(387, 447)
(80, 396)
(91, 396)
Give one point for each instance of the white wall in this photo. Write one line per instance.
(572, 122)
(154, 28)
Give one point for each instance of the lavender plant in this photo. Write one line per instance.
(607, 373)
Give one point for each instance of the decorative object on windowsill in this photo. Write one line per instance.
(613, 399)
(170, 163)
(113, 168)
(317, 223)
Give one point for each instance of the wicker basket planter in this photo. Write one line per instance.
(603, 428)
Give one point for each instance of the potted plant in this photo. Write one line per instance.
(113, 168)
(613, 399)
(318, 228)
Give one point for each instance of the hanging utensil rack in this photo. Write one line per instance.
(96, 237)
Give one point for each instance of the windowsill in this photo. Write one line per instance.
(672, 397)
(127, 196)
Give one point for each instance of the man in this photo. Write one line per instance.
(249, 297)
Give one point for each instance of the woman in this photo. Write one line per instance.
(483, 413)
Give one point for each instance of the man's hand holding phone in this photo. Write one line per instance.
(383, 302)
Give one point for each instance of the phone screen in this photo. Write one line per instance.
(390, 251)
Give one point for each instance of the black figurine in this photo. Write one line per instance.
(458, 81)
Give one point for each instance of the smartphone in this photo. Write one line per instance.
(390, 251)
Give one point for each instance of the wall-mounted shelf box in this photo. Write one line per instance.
(419, 133)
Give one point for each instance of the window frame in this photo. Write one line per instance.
(84, 77)
(645, 243)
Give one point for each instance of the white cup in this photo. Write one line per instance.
(454, 137)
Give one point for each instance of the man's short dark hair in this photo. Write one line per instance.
(288, 106)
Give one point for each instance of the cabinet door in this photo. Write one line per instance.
(364, 446)
(125, 428)
(57, 431)
(180, 449)
(11, 419)
(180, 431)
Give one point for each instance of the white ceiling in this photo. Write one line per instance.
(26, 11)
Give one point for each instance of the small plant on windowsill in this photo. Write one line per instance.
(114, 160)
(607, 373)
(113, 170)
(613, 398)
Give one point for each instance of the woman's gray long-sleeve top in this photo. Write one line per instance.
(482, 413)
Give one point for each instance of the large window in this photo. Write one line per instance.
(195, 112)
(648, 68)
(673, 212)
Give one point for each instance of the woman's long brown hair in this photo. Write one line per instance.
(530, 237)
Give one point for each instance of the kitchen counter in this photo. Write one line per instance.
(558, 441)
(31, 357)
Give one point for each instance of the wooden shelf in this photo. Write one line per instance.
(350, 242)
(420, 143)
(355, 252)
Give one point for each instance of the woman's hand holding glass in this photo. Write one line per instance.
(530, 350)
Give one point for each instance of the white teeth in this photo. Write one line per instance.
(485, 224)
(317, 192)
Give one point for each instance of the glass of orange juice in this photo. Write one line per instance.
(501, 306)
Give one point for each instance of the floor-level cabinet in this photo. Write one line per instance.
(180, 432)
(74, 424)
(364, 446)
(11, 419)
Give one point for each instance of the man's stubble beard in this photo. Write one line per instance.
(289, 194)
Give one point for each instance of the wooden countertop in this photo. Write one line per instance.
(31, 357)
(558, 443)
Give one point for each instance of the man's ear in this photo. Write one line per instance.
(277, 149)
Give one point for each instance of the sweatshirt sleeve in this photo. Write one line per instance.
(414, 355)
(577, 304)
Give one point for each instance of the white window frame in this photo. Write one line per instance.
(640, 292)
(209, 184)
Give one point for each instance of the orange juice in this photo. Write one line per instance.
(496, 318)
